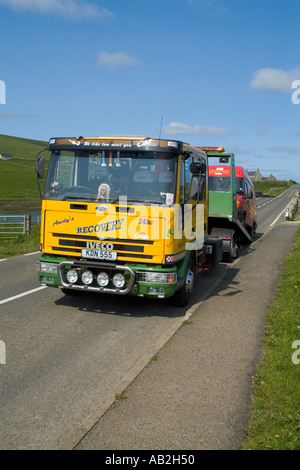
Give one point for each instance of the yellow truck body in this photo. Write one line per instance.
(123, 215)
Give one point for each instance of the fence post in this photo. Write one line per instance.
(27, 224)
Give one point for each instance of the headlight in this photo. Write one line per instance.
(103, 279)
(87, 277)
(44, 267)
(157, 277)
(72, 276)
(119, 280)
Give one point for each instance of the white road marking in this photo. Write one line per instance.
(9, 299)
(279, 215)
(33, 253)
(25, 254)
(265, 203)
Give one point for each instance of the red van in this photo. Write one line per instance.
(219, 181)
(246, 199)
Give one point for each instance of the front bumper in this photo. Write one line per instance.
(134, 276)
(82, 265)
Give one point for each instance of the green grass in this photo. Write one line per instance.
(273, 188)
(120, 396)
(275, 410)
(21, 244)
(17, 175)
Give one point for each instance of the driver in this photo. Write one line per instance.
(55, 187)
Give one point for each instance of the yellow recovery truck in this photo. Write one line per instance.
(125, 215)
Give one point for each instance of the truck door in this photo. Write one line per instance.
(192, 198)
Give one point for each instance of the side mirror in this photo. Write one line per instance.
(39, 167)
(197, 168)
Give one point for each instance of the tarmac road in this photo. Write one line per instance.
(66, 358)
(196, 395)
(271, 210)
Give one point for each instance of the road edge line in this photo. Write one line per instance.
(9, 299)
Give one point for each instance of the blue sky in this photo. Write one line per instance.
(216, 72)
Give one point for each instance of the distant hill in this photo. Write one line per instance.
(17, 174)
(21, 148)
(272, 187)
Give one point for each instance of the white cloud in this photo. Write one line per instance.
(116, 59)
(72, 9)
(274, 79)
(287, 149)
(176, 128)
(5, 116)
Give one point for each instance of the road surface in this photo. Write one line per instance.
(67, 357)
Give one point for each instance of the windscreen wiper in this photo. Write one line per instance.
(77, 198)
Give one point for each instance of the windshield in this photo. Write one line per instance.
(109, 175)
(239, 185)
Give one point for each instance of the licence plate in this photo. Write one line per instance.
(99, 254)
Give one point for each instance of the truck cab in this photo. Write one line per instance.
(124, 215)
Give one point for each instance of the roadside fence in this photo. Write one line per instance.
(13, 225)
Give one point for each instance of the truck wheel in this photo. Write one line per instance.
(182, 297)
(232, 253)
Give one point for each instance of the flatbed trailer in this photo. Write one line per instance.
(224, 219)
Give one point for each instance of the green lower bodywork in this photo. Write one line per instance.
(139, 288)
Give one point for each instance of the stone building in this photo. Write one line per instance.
(257, 176)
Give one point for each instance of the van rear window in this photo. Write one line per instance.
(219, 183)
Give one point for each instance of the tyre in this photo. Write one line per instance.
(182, 297)
(229, 256)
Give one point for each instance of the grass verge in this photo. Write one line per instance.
(21, 244)
(275, 409)
(273, 188)
(17, 175)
